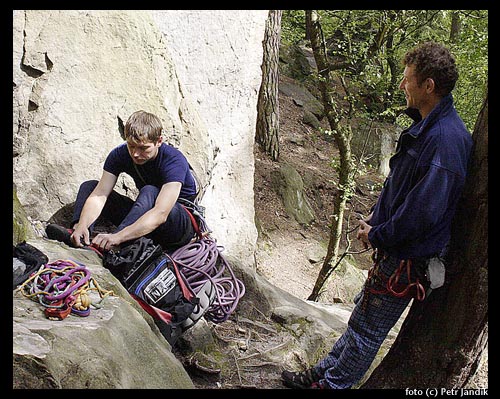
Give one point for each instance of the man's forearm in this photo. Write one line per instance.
(142, 226)
(91, 210)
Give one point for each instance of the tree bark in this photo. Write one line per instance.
(442, 339)
(267, 129)
(342, 136)
(456, 26)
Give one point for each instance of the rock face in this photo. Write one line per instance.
(218, 57)
(78, 75)
(288, 183)
(116, 346)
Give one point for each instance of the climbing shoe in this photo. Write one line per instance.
(59, 233)
(300, 380)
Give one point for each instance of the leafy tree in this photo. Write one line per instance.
(471, 51)
(366, 46)
(338, 120)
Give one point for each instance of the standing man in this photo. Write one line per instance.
(162, 175)
(409, 227)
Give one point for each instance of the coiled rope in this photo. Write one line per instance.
(62, 287)
(201, 260)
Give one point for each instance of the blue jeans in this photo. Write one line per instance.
(122, 211)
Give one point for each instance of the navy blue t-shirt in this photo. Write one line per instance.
(170, 165)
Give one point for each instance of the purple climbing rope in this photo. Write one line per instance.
(202, 260)
(62, 288)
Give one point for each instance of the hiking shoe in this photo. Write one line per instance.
(59, 233)
(300, 380)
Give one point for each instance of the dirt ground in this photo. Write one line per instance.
(290, 255)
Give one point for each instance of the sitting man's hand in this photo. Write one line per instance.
(106, 242)
(80, 236)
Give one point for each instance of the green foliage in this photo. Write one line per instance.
(366, 48)
(293, 26)
(471, 52)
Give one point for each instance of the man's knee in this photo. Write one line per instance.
(147, 196)
(148, 192)
(89, 185)
(149, 189)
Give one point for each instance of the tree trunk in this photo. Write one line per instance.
(342, 135)
(456, 26)
(442, 339)
(267, 128)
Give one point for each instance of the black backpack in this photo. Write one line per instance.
(31, 257)
(152, 278)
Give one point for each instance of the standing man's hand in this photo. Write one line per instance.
(363, 230)
(368, 218)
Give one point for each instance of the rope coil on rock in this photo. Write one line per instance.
(201, 260)
(62, 287)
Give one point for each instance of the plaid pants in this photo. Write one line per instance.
(370, 322)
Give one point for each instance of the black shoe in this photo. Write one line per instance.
(59, 233)
(300, 380)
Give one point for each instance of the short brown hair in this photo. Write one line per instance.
(143, 127)
(433, 60)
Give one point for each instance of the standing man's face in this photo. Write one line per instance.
(415, 95)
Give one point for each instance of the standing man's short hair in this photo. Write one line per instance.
(435, 61)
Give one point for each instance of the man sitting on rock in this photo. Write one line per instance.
(161, 174)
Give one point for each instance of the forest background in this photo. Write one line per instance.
(366, 46)
(357, 56)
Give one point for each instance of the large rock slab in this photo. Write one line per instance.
(218, 58)
(289, 185)
(79, 74)
(116, 346)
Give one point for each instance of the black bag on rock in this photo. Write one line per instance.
(151, 277)
(31, 257)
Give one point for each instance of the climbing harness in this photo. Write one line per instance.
(63, 288)
(196, 214)
(392, 285)
(378, 283)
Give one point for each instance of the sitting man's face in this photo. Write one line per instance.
(142, 152)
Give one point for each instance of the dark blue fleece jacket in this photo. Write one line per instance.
(413, 214)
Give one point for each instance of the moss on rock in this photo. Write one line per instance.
(22, 230)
